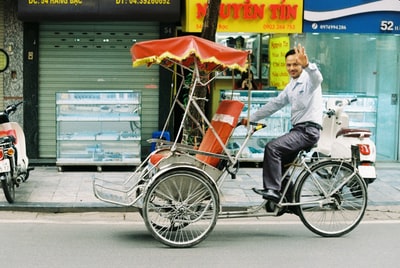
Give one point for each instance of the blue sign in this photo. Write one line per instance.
(352, 16)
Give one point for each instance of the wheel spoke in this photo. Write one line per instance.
(181, 208)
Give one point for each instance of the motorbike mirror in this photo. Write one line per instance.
(4, 60)
(338, 103)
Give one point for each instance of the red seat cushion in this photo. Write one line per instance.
(223, 122)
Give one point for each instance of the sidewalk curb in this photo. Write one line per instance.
(52, 207)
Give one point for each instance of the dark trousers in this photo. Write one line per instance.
(283, 150)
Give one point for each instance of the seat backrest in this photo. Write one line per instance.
(224, 121)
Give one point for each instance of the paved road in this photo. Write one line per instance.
(121, 240)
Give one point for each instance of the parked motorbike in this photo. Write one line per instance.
(338, 140)
(14, 162)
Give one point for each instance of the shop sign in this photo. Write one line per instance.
(261, 16)
(352, 16)
(278, 47)
(87, 10)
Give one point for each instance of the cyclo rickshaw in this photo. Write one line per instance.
(177, 187)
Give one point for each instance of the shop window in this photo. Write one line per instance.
(258, 44)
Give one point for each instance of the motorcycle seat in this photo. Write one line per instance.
(6, 139)
(11, 133)
(354, 133)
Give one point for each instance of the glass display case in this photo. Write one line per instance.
(277, 124)
(362, 114)
(258, 45)
(98, 128)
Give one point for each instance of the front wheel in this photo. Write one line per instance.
(8, 186)
(181, 208)
(332, 197)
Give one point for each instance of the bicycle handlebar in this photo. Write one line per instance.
(338, 105)
(257, 126)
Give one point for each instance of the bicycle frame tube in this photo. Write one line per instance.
(326, 194)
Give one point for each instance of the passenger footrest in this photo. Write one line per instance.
(124, 192)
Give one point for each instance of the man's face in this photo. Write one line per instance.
(294, 69)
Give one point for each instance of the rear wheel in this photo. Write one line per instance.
(181, 208)
(333, 198)
(8, 186)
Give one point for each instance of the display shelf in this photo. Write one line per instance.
(98, 128)
(362, 114)
(277, 124)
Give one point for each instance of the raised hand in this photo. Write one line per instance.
(301, 56)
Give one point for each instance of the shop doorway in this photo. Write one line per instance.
(93, 56)
(363, 65)
(388, 89)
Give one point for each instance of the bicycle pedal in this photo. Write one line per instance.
(270, 206)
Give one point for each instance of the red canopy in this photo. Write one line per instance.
(185, 49)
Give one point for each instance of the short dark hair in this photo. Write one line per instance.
(290, 52)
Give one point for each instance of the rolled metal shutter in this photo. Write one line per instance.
(1, 46)
(93, 56)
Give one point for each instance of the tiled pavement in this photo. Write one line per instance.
(48, 190)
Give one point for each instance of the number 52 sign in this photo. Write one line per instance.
(389, 26)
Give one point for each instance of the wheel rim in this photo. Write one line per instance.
(180, 209)
(343, 208)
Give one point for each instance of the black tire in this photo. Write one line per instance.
(8, 186)
(181, 208)
(332, 198)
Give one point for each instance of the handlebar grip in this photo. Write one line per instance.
(259, 126)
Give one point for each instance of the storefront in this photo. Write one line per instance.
(57, 46)
(357, 52)
(1, 42)
(84, 46)
(356, 43)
